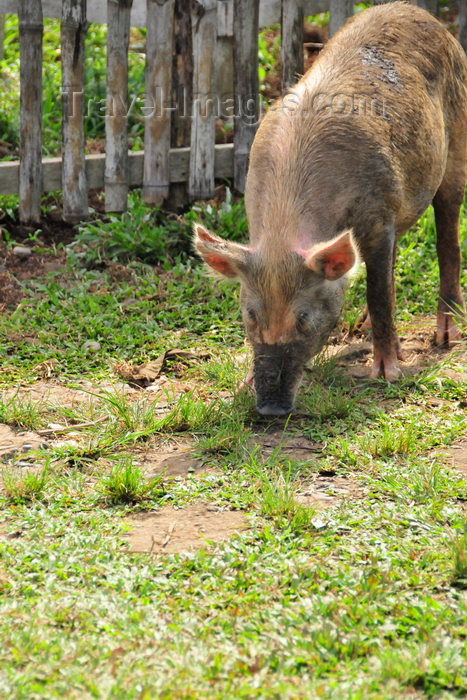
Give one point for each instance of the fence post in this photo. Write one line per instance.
(156, 177)
(182, 92)
(203, 127)
(292, 42)
(432, 5)
(463, 24)
(339, 12)
(116, 136)
(74, 185)
(30, 168)
(2, 37)
(246, 20)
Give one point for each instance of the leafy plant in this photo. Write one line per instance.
(141, 233)
(151, 235)
(228, 218)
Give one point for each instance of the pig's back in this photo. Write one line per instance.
(395, 50)
(365, 130)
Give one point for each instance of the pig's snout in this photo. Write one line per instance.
(271, 399)
(273, 410)
(277, 373)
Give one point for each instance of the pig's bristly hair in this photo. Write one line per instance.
(313, 166)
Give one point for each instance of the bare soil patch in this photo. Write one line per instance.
(419, 352)
(296, 447)
(330, 490)
(169, 459)
(179, 530)
(458, 457)
(44, 257)
(17, 443)
(53, 393)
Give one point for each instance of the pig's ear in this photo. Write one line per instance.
(224, 257)
(333, 258)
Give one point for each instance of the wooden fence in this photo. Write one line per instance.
(215, 44)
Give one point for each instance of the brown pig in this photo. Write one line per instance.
(340, 167)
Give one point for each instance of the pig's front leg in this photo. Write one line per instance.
(379, 259)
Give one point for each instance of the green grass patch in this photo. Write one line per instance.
(357, 596)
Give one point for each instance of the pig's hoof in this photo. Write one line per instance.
(447, 331)
(385, 367)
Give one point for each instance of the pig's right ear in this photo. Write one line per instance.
(224, 257)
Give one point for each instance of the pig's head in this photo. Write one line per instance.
(290, 301)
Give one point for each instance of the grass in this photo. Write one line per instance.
(460, 559)
(22, 485)
(362, 599)
(126, 483)
(361, 595)
(20, 412)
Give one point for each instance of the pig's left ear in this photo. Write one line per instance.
(226, 258)
(333, 258)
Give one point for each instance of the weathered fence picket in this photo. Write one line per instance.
(30, 169)
(246, 103)
(204, 27)
(339, 11)
(74, 184)
(182, 95)
(156, 178)
(292, 42)
(116, 134)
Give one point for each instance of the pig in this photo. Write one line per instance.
(340, 167)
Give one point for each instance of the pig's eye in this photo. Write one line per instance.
(252, 315)
(303, 321)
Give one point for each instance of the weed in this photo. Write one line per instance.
(393, 442)
(25, 485)
(275, 491)
(127, 484)
(326, 403)
(138, 234)
(22, 412)
(459, 548)
(228, 218)
(188, 413)
(136, 416)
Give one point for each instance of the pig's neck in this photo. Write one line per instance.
(283, 230)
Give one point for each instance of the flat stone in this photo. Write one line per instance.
(92, 345)
(21, 251)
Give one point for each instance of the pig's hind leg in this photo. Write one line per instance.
(447, 203)
(379, 260)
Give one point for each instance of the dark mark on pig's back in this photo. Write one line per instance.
(373, 56)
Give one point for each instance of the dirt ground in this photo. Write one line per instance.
(170, 530)
(173, 530)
